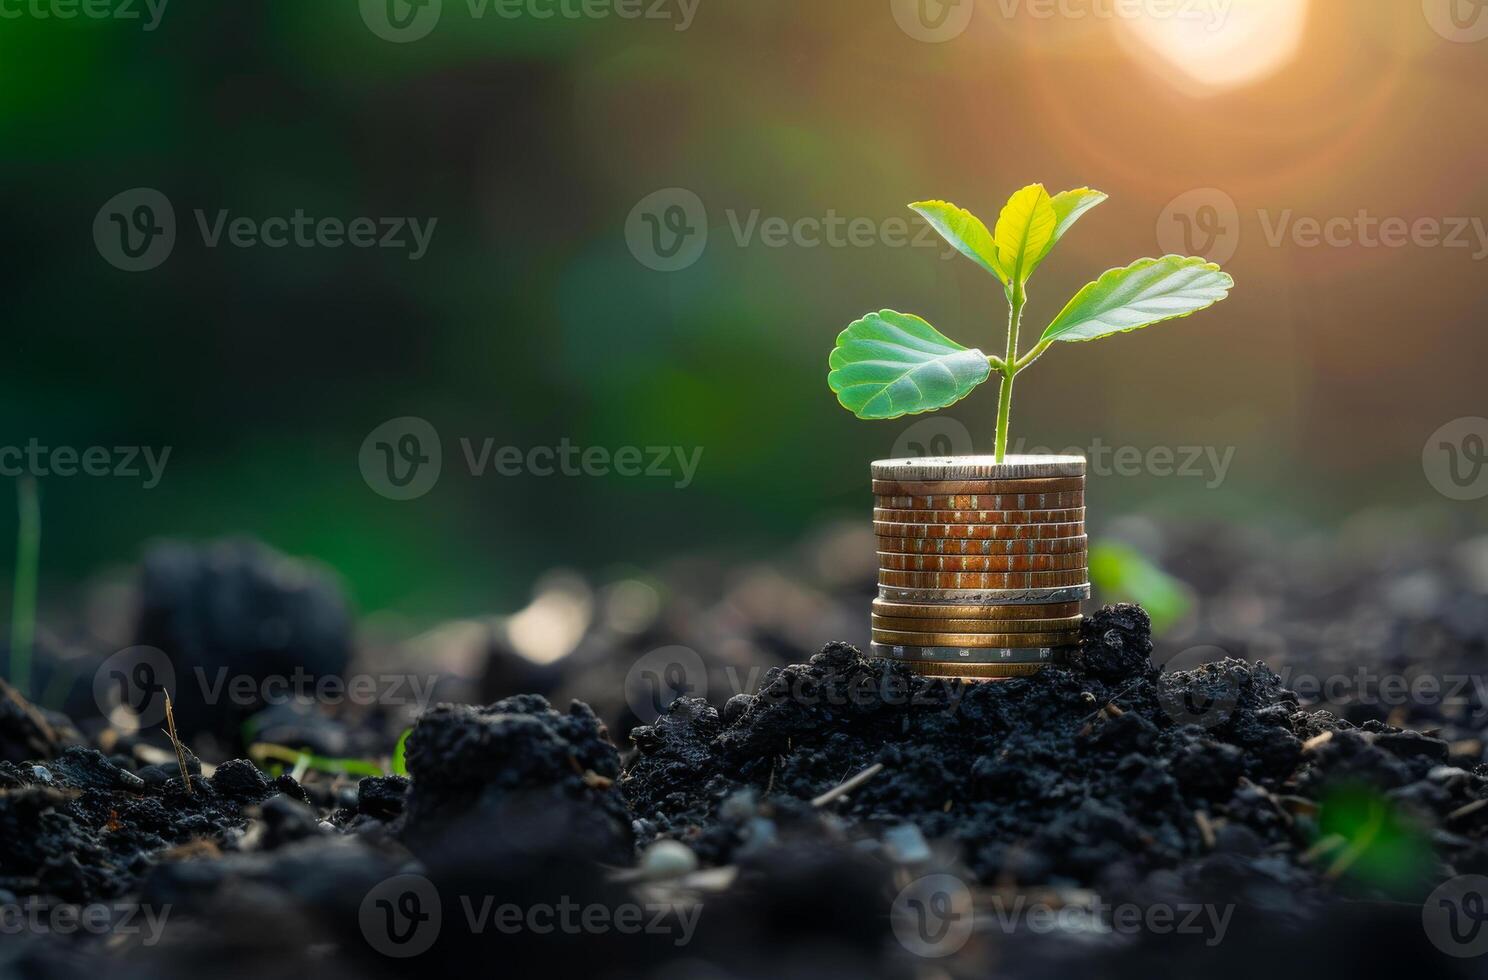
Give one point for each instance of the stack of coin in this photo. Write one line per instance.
(982, 565)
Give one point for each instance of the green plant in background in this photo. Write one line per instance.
(1123, 574)
(891, 364)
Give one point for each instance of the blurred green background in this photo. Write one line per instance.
(530, 321)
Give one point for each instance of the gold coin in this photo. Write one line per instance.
(982, 580)
(982, 501)
(1061, 625)
(974, 641)
(984, 546)
(1013, 467)
(899, 516)
(916, 610)
(974, 672)
(981, 563)
(897, 488)
(995, 532)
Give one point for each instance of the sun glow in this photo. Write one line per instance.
(1218, 44)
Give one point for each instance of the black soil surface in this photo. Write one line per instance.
(1107, 781)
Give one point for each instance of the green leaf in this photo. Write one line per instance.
(1025, 230)
(965, 231)
(400, 754)
(890, 364)
(1146, 292)
(1068, 207)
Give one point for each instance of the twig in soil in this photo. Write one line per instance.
(1325, 845)
(847, 786)
(1206, 829)
(1317, 742)
(1466, 810)
(170, 731)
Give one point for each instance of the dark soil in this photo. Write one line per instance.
(1107, 776)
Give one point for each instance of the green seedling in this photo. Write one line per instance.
(888, 364)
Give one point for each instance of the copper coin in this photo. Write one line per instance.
(919, 610)
(982, 563)
(984, 546)
(982, 580)
(982, 501)
(977, 641)
(1063, 625)
(995, 532)
(896, 516)
(896, 488)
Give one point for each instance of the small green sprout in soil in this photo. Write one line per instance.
(888, 364)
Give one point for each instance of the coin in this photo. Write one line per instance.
(995, 532)
(1003, 597)
(895, 561)
(925, 610)
(981, 501)
(962, 655)
(910, 488)
(977, 641)
(984, 546)
(982, 580)
(975, 672)
(978, 468)
(895, 516)
(1061, 625)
